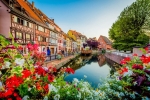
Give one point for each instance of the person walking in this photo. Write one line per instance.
(48, 52)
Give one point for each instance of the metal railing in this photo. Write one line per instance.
(54, 56)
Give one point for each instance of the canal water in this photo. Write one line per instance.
(96, 68)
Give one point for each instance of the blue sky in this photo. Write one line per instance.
(89, 17)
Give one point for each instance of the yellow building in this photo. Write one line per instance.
(72, 34)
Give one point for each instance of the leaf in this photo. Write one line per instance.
(17, 70)
(16, 44)
(6, 59)
(23, 89)
(18, 56)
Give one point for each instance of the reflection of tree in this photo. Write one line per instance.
(101, 60)
(93, 59)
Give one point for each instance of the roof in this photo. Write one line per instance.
(106, 40)
(29, 10)
(77, 34)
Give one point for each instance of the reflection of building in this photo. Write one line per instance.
(101, 60)
(104, 43)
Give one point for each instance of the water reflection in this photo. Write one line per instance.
(94, 67)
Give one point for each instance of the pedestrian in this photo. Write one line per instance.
(48, 51)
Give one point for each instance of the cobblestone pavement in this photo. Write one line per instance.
(56, 62)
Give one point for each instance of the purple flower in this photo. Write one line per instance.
(140, 79)
(147, 71)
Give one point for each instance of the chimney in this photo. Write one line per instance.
(32, 4)
(53, 20)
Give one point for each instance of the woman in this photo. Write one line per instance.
(48, 51)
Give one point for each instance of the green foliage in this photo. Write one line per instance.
(23, 89)
(127, 32)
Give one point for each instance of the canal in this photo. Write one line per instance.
(96, 68)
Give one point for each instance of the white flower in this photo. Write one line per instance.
(19, 61)
(121, 94)
(6, 65)
(85, 76)
(75, 80)
(132, 95)
(29, 89)
(25, 97)
(45, 68)
(52, 88)
(56, 97)
(79, 95)
(45, 98)
(145, 98)
(134, 83)
(148, 88)
(37, 76)
(129, 73)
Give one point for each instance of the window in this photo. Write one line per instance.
(28, 24)
(18, 20)
(14, 18)
(28, 36)
(25, 23)
(40, 28)
(46, 39)
(19, 35)
(38, 38)
(22, 23)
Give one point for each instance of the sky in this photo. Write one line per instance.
(89, 17)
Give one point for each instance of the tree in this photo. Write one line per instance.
(92, 44)
(127, 32)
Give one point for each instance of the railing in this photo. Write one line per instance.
(54, 57)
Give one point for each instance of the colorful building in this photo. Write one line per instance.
(104, 43)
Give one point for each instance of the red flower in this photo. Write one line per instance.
(15, 94)
(18, 98)
(51, 78)
(29, 46)
(123, 70)
(38, 86)
(9, 92)
(54, 69)
(135, 55)
(39, 70)
(13, 82)
(136, 66)
(46, 88)
(9, 99)
(145, 59)
(20, 48)
(69, 70)
(125, 60)
(26, 73)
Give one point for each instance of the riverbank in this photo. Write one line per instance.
(59, 63)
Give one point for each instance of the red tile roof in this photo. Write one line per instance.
(29, 10)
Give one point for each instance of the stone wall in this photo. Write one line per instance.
(114, 57)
